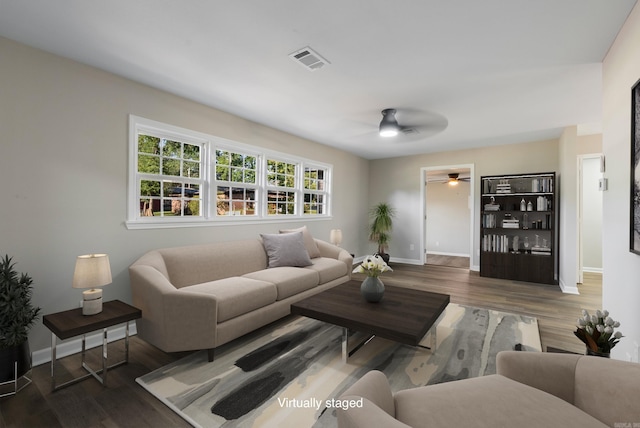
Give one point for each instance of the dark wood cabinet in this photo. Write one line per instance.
(518, 227)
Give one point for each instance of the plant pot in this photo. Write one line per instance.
(9, 356)
(372, 289)
(384, 256)
(598, 354)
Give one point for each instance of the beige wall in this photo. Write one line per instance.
(449, 218)
(63, 165)
(398, 180)
(621, 288)
(568, 189)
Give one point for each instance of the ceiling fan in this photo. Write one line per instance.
(430, 123)
(454, 179)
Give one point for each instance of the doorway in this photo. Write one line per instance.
(590, 169)
(447, 227)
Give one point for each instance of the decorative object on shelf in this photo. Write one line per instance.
(17, 316)
(92, 270)
(335, 237)
(634, 223)
(523, 205)
(372, 288)
(598, 333)
(380, 228)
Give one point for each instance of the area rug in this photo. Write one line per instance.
(291, 373)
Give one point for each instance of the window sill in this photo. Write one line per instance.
(180, 223)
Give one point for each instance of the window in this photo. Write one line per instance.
(169, 178)
(183, 178)
(281, 186)
(237, 187)
(315, 195)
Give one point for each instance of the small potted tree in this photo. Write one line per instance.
(17, 316)
(380, 228)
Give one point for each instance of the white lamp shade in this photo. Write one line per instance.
(335, 237)
(92, 270)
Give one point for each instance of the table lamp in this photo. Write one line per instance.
(335, 237)
(92, 270)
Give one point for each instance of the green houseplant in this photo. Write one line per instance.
(17, 316)
(380, 229)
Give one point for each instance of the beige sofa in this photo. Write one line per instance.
(200, 297)
(531, 389)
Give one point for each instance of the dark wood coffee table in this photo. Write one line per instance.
(404, 315)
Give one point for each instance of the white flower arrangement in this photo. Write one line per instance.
(372, 266)
(597, 331)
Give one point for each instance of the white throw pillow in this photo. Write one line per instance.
(286, 249)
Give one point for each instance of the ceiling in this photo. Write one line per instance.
(469, 72)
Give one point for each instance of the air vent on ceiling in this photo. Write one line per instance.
(309, 59)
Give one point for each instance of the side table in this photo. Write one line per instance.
(67, 324)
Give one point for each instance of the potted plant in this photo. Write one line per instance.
(17, 315)
(380, 229)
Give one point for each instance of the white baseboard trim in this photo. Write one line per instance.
(442, 253)
(391, 260)
(592, 269)
(475, 268)
(568, 290)
(406, 261)
(73, 346)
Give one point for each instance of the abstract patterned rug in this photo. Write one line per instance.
(288, 373)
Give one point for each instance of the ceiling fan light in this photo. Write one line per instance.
(388, 131)
(389, 125)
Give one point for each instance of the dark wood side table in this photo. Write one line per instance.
(67, 324)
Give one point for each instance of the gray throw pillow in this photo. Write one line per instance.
(286, 249)
(307, 238)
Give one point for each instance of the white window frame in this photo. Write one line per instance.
(208, 189)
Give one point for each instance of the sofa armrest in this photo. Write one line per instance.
(335, 252)
(374, 387)
(172, 319)
(550, 372)
(369, 415)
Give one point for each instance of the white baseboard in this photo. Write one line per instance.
(568, 290)
(442, 253)
(405, 261)
(73, 346)
(391, 260)
(592, 269)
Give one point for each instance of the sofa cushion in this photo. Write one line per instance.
(286, 249)
(328, 269)
(196, 264)
(289, 281)
(307, 238)
(237, 295)
(489, 401)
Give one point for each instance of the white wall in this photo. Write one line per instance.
(398, 181)
(568, 189)
(621, 288)
(591, 215)
(63, 165)
(448, 218)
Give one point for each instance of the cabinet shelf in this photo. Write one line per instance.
(506, 252)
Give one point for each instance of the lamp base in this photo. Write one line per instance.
(92, 302)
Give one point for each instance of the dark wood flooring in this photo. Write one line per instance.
(123, 403)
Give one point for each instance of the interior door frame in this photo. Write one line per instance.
(471, 205)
